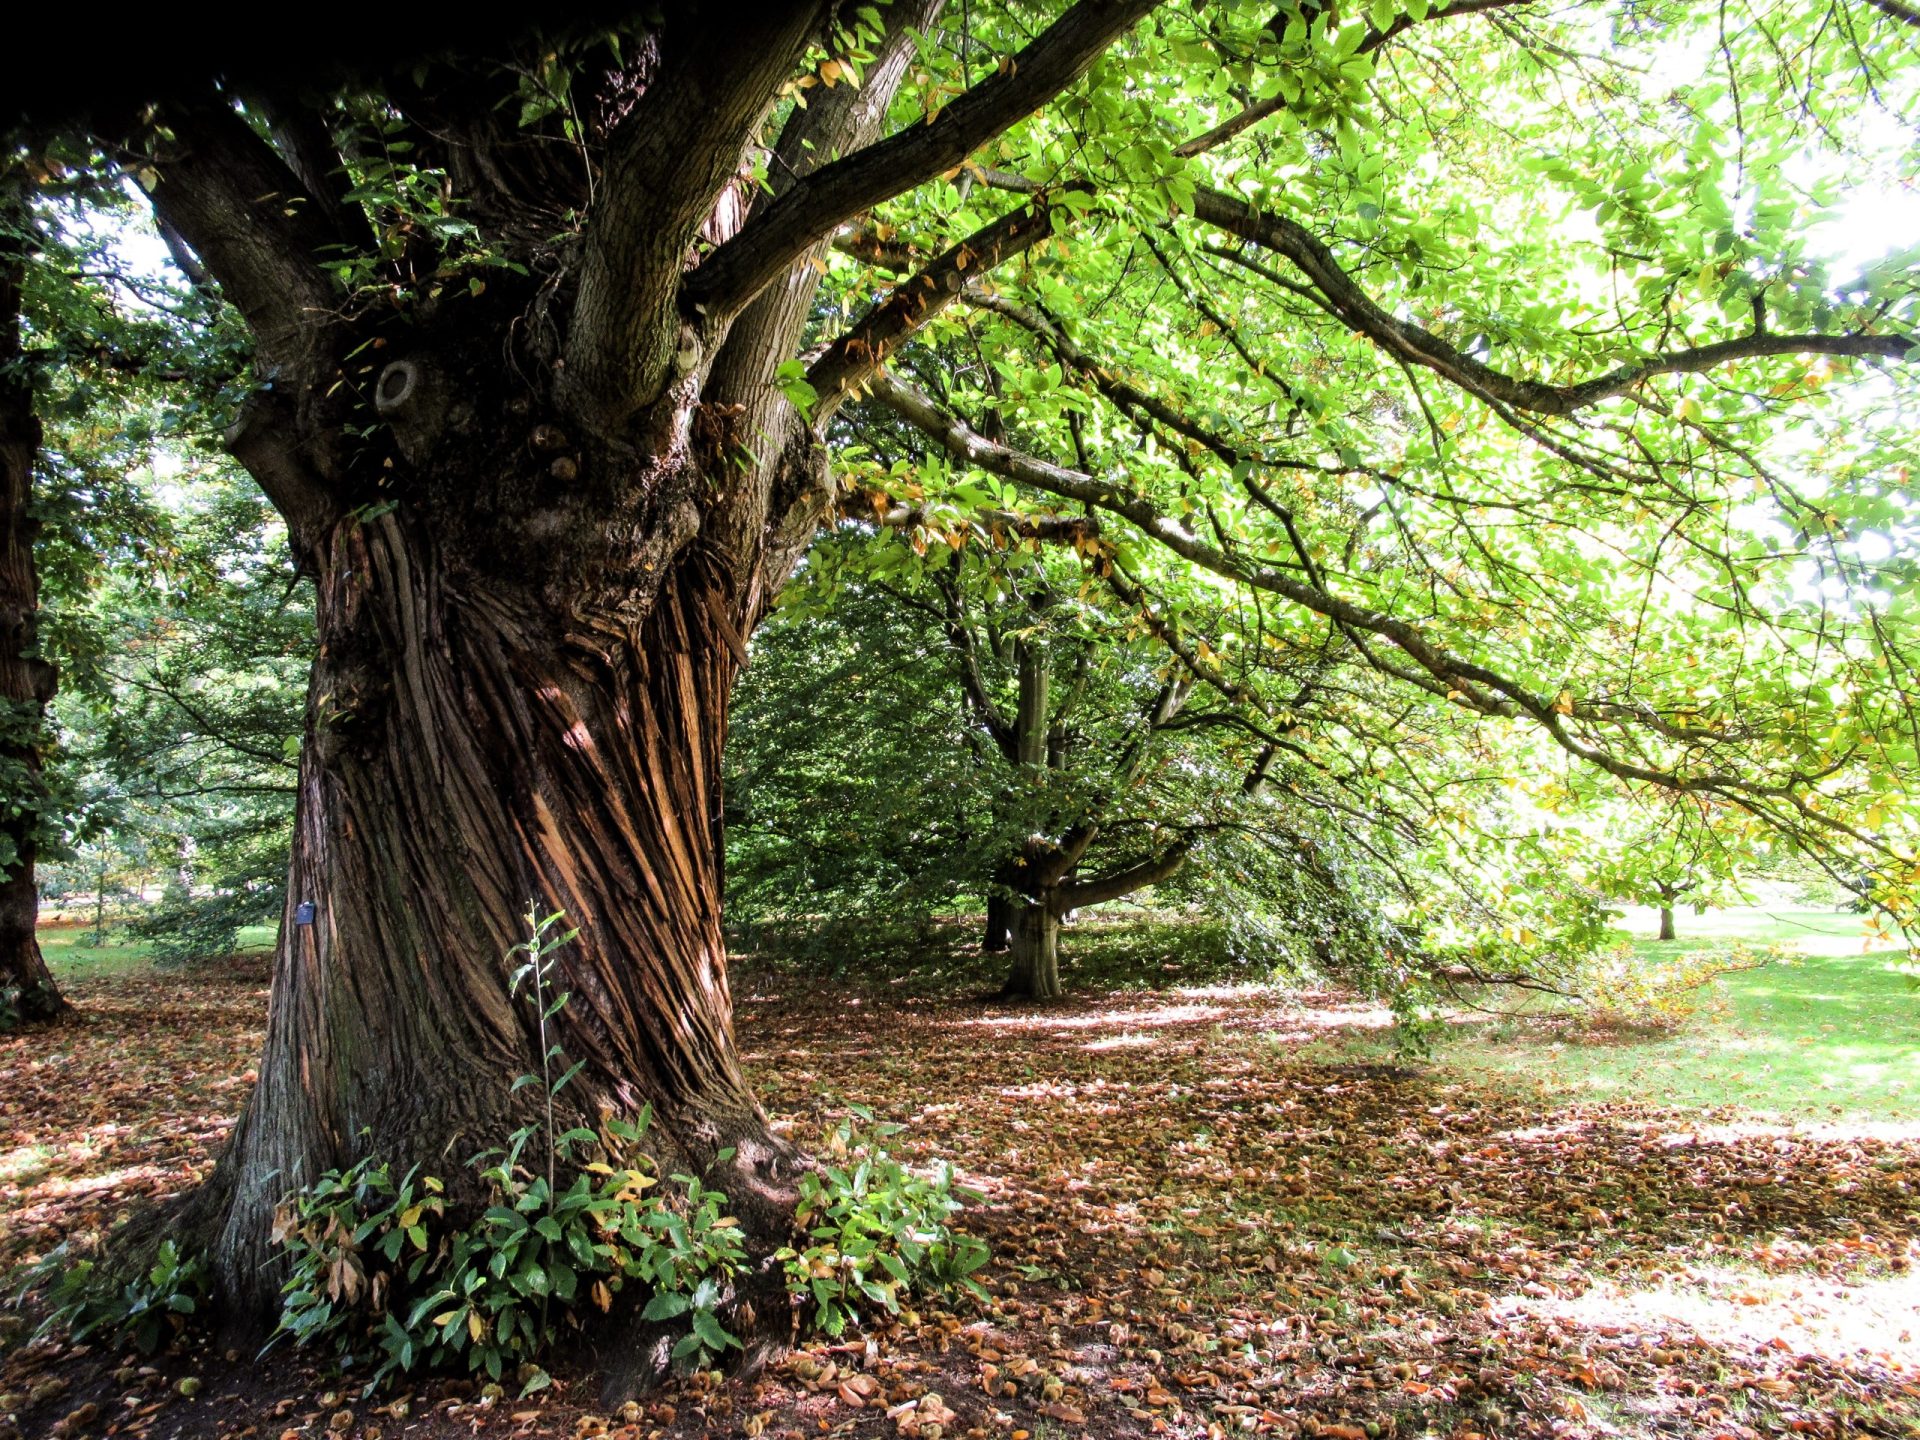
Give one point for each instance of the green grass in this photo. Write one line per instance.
(1832, 1036)
(72, 955)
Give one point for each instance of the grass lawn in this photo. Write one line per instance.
(72, 955)
(1833, 1035)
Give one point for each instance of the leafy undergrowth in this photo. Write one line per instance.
(1196, 1232)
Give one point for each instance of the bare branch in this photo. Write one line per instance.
(873, 508)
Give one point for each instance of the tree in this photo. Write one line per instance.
(27, 990)
(545, 368)
(1102, 808)
(975, 772)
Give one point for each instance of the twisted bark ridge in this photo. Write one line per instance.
(529, 331)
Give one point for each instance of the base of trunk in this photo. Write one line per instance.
(1667, 929)
(28, 995)
(1034, 973)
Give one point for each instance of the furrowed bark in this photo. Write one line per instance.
(469, 749)
(27, 990)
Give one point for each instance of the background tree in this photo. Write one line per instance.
(1664, 851)
(27, 990)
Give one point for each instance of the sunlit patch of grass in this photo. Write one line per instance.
(1830, 1035)
(72, 955)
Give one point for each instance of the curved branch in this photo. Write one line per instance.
(254, 228)
(1152, 871)
(1462, 682)
(1414, 345)
(673, 161)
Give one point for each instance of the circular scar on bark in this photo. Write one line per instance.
(398, 384)
(411, 396)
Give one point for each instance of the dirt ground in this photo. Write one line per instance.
(1196, 1232)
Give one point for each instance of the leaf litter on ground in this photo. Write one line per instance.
(1196, 1233)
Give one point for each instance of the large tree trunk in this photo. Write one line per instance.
(27, 991)
(1034, 969)
(1667, 929)
(472, 743)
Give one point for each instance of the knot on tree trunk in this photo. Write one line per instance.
(408, 396)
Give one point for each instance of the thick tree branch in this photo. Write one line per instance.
(812, 209)
(672, 161)
(839, 120)
(1151, 871)
(253, 226)
(851, 360)
(1414, 345)
(1894, 10)
(307, 146)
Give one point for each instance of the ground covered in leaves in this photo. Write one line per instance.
(1199, 1229)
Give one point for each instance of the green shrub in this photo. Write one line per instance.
(376, 1271)
(146, 1311)
(390, 1272)
(876, 1228)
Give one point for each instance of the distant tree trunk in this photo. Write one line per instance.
(179, 886)
(998, 932)
(27, 991)
(1034, 972)
(1669, 896)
